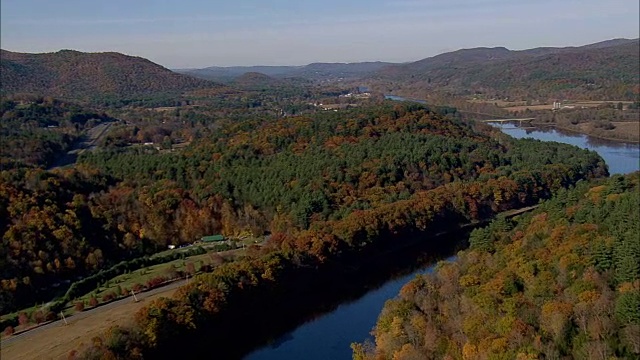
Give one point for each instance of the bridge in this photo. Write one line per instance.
(508, 120)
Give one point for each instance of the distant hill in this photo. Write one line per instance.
(228, 74)
(315, 71)
(78, 75)
(608, 69)
(252, 80)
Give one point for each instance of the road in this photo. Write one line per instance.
(72, 319)
(507, 120)
(88, 142)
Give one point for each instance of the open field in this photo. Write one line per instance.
(625, 131)
(514, 106)
(141, 276)
(55, 340)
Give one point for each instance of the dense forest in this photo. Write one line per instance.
(329, 188)
(562, 282)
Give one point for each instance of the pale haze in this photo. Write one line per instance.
(188, 34)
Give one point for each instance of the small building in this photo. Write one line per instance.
(171, 247)
(212, 238)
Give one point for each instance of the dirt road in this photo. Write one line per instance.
(56, 340)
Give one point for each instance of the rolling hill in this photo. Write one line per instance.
(605, 70)
(77, 75)
(315, 71)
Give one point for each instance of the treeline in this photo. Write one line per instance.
(562, 282)
(519, 173)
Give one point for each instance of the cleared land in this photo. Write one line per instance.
(514, 106)
(55, 340)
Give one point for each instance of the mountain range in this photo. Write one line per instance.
(315, 71)
(604, 70)
(608, 69)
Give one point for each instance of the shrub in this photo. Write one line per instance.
(23, 319)
(79, 306)
(154, 282)
(109, 296)
(93, 302)
(38, 317)
(8, 331)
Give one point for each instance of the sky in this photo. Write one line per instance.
(199, 33)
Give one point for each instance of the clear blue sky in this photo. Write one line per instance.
(199, 33)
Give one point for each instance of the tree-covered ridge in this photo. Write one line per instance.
(563, 282)
(35, 131)
(323, 166)
(76, 75)
(605, 71)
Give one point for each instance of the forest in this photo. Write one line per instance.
(354, 181)
(561, 282)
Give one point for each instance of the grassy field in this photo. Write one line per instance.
(141, 276)
(57, 342)
(514, 106)
(125, 282)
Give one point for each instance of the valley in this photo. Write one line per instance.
(290, 194)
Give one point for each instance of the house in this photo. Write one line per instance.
(212, 238)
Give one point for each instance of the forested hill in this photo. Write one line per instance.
(606, 70)
(563, 283)
(76, 75)
(315, 71)
(332, 188)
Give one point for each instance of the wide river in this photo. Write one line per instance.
(328, 336)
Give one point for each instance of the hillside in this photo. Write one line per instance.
(315, 71)
(606, 70)
(76, 75)
(560, 283)
(255, 80)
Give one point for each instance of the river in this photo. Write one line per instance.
(328, 337)
(622, 158)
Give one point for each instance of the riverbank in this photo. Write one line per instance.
(573, 130)
(623, 132)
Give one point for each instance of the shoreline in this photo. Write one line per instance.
(622, 141)
(617, 140)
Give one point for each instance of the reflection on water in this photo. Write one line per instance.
(622, 158)
(330, 336)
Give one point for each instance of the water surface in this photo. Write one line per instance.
(622, 158)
